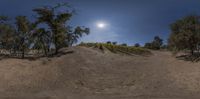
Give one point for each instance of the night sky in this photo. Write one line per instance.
(126, 21)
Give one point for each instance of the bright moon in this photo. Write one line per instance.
(101, 25)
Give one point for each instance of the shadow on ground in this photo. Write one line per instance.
(193, 58)
(33, 58)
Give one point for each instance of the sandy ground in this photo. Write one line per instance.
(91, 74)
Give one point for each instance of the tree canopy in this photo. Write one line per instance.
(22, 36)
(185, 34)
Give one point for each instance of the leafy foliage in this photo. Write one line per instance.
(156, 44)
(50, 29)
(62, 35)
(137, 45)
(24, 28)
(185, 34)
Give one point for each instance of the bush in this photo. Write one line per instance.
(156, 44)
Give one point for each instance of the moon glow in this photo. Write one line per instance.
(101, 25)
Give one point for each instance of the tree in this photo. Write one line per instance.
(73, 36)
(7, 34)
(50, 29)
(57, 22)
(164, 47)
(148, 45)
(157, 43)
(124, 44)
(108, 42)
(24, 29)
(41, 40)
(137, 45)
(185, 34)
(114, 43)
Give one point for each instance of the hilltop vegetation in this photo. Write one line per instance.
(129, 50)
(46, 35)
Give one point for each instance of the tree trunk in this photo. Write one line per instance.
(192, 52)
(23, 51)
(44, 48)
(56, 47)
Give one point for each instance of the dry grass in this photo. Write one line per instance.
(129, 50)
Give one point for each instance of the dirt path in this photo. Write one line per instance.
(167, 77)
(91, 74)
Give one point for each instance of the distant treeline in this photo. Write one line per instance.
(156, 44)
(118, 48)
(47, 34)
(184, 36)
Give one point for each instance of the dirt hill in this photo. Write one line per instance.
(86, 73)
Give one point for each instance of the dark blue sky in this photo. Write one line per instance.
(130, 21)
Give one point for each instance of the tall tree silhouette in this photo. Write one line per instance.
(24, 28)
(157, 43)
(7, 34)
(41, 40)
(57, 22)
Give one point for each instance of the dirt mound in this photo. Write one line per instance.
(86, 73)
(81, 70)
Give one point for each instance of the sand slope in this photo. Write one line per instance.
(91, 74)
